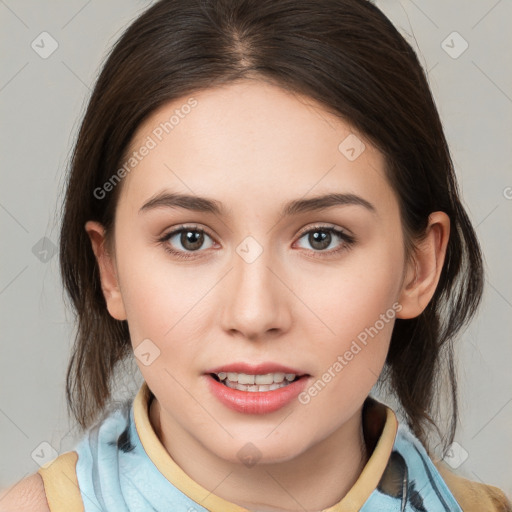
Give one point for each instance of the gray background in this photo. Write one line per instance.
(42, 101)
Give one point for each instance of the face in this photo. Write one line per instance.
(313, 290)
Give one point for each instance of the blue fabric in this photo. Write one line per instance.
(411, 482)
(115, 474)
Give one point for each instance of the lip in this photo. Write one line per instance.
(256, 402)
(258, 369)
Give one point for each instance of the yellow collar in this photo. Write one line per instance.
(353, 500)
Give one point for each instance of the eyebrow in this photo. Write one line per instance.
(206, 205)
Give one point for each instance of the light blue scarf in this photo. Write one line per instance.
(115, 474)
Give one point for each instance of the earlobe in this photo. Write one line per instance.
(424, 268)
(107, 269)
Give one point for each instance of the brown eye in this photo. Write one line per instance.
(185, 240)
(319, 239)
(191, 240)
(322, 237)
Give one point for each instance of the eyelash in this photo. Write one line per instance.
(348, 240)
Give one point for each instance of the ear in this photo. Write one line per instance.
(108, 273)
(424, 268)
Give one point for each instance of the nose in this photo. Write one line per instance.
(256, 303)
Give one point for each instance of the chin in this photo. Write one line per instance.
(249, 451)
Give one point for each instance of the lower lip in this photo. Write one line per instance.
(256, 402)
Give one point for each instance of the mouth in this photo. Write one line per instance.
(256, 388)
(256, 382)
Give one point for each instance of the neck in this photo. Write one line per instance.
(316, 479)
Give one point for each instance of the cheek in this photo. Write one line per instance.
(359, 308)
(169, 304)
(152, 291)
(353, 295)
(350, 361)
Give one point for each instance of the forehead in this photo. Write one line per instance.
(254, 138)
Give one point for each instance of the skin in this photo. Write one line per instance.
(253, 147)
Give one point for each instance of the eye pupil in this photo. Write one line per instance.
(191, 239)
(323, 238)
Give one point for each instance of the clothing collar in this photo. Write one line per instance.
(379, 428)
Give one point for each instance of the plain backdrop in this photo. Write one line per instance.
(463, 45)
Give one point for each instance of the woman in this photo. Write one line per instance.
(262, 208)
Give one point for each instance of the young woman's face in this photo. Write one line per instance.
(265, 284)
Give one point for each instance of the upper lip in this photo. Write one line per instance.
(258, 369)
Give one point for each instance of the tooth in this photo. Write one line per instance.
(255, 387)
(242, 381)
(244, 378)
(264, 379)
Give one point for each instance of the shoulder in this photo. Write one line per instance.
(27, 495)
(474, 496)
(53, 488)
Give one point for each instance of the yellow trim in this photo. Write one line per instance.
(61, 484)
(166, 465)
(374, 469)
(353, 501)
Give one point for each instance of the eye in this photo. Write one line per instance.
(321, 238)
(191, 239)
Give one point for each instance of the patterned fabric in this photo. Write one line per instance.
(121, 466)
(115, 473)
(411, 482)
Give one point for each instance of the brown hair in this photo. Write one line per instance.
(346, 55)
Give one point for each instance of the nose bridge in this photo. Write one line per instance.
(254, 280)
(255, 302)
